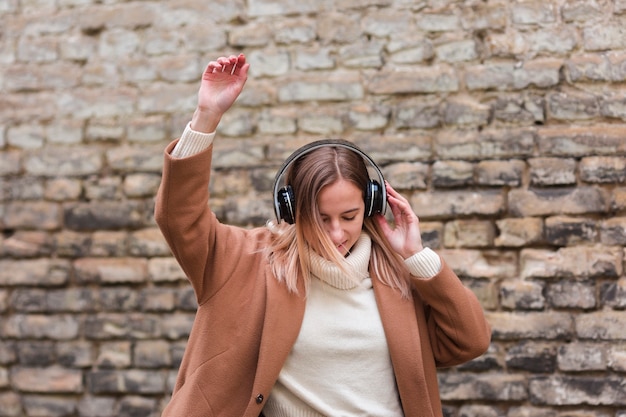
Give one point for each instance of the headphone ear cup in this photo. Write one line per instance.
(286, 204)
(373, 198)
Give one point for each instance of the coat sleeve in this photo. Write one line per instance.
(210, 253)
(457, 326)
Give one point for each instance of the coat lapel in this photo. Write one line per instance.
(404, 341)
(284, 312)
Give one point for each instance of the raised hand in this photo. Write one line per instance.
(222, 82)
(404, 237)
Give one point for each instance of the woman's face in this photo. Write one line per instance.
(342, 209)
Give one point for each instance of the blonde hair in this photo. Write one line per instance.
(288, 251)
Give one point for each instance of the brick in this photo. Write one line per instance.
(572, 106)
(533, 356)
(469, 234)
(440, 204)
(151, 354)
(541, 73)
(41, 326)
(10, 404)
(500, 173)
(553, 201)
(258, 8)
(439, 79)
(616, 358)
(618, 200)
(10, 162)
(432, 234)
(486, 144)
(452, 174)
(483, 16)
(111, 326)
(580, 11)
(26, 244)
(252, 34)
(105, 243)
(75, 354)
(410, 49)
(148, 242)
(118, 299)
(407, 175)
(468, 263)
(437, 22)
(419, 114)
(321, 124)
(551, 325)
(107, 215)
(97, 406)
(607, 35)
(588, 67)
(363, 54)
(518, 232)
(114, 355)
(576, 390)
(575, 262)
(72, 244)
(103, 130)
(157, 299)
(320, 90)
(572, 294)
(269, 64)
(133, 406)
(464, 387)
(64, 161)
(111, 270)
(144, 158)
(522, 295)
(523, 110)
(579, 141)
(602, 325)
(47, 380)
(579, 357)
(613, 294)
(552, 171)
(570, 231)
(32, 215)
(71, 300)
(63, 189)
(178, 326)
(603, 169)
(163, 270)
(125, 382)
(457, 51)
(36, 272)
(555, 40)
(28, 300)
(369, 117)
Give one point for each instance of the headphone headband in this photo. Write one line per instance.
(369, 162)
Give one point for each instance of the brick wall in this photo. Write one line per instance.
(502, 121)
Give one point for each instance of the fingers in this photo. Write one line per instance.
(229, 65)
(400, 206)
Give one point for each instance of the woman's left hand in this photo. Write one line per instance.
(404, 237)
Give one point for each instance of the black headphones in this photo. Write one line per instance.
(284, 199)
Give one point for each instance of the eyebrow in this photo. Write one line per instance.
(343, 212)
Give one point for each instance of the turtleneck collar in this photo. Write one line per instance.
(357, 263)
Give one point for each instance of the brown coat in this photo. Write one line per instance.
(246, 322)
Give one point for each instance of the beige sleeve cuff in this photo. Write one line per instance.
(192, 142)
(424, 264)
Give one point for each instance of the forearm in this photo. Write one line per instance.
(192, 142)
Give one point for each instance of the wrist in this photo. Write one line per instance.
(204, 121)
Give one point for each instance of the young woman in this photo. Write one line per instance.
(328, 311)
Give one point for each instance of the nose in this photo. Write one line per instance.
(335, 232)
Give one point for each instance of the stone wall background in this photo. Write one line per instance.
(502, 121)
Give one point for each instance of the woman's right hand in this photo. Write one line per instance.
(222, 82)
